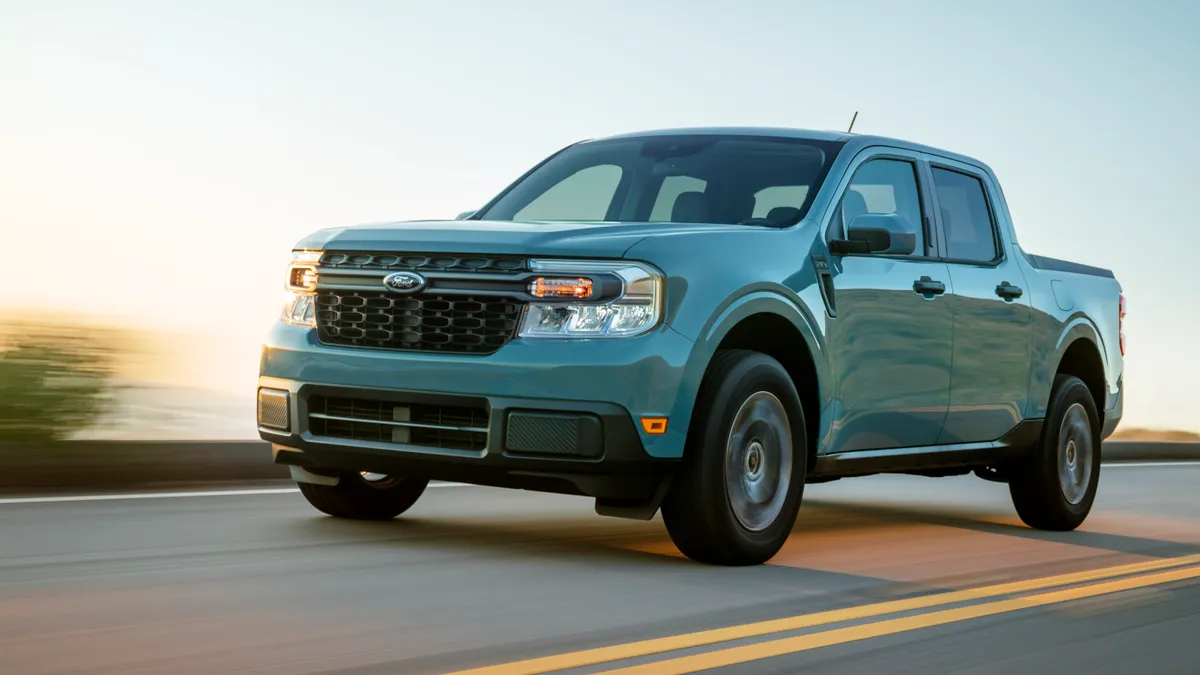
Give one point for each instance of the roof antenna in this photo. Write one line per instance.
(851, 129)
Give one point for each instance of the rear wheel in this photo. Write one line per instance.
(365, 496)
(1054, 487)
(739, 490)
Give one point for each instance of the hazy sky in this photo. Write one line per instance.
(158, 159)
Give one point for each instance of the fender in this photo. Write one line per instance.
(733, 311)
(1078, 327)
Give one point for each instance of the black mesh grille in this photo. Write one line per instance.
(362, 420)
(542, 434)
(424, 262)
(425, 322)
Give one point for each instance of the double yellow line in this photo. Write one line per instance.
(1180, 569)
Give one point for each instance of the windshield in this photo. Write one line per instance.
(751, 180)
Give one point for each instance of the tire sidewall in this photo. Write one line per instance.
(749, 375)
(355, 498)
(1072, 391)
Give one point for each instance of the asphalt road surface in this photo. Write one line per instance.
(883, 575)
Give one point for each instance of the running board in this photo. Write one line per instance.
(933, 460)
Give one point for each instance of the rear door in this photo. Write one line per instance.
(990, 379)
(889, 343)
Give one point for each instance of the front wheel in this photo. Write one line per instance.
(365, 496)
(739, 490)
(1054, 487)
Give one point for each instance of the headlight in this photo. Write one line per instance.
(636, 310)
(300, 309)
(299, 301)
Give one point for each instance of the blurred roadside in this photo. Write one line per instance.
(1154, 436)
(83, 379)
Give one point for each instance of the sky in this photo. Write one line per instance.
(159, 159)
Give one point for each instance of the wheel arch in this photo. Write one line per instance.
(1080, 352)
(770, 323)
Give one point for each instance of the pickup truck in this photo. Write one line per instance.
(698, 321)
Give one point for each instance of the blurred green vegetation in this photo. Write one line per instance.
(55, 380)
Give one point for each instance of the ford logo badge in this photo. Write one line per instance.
(404, 282)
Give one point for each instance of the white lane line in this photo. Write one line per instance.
(171, 495)
(144, 495)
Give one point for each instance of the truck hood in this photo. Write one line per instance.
(597, 240)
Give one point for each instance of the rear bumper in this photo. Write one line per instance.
(609, 383)
(1112, 416)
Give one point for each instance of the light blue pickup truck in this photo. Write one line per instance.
(702, 321)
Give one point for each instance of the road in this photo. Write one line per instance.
(475, 577)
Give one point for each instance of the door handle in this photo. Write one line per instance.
(1009, 291)
(927, 286)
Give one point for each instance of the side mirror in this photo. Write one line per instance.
(465, 214)
(883, 233)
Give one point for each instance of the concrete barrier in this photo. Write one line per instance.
(128, 464)
(1138, 451)
(115, 465)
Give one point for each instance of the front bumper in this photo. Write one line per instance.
(615, 382)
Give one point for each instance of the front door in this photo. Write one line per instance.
(992, 332)
(890, 343)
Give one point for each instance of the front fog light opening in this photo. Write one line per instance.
(274, 409)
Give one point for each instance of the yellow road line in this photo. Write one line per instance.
(588, 657)
(763, 650)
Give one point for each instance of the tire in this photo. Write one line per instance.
(357, 498)
(710, 513)
(1055, 486)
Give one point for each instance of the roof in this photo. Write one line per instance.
(775, 132)
(852, 140)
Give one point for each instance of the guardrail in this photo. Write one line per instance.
(94, 465)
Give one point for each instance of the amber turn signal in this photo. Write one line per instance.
(302, 278)
(654, 425)
(548, 287)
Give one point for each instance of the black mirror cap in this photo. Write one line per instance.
(882, 233)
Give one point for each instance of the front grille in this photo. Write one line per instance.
(424, 322)
(417, 262)
(435, 426)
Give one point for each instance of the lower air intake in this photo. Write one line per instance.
(448, 427)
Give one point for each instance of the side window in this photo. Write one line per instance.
(885, 186)
(584, 195)
(966, 218)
